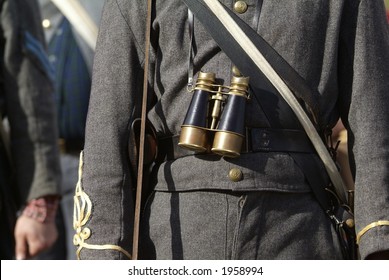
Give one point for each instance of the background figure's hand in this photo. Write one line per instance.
(33, 237)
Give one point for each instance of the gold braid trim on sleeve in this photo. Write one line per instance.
(370, 226)
(81, 214)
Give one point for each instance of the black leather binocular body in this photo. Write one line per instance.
(215, 118)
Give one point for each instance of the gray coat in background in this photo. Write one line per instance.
(340, 47)
(27, 102)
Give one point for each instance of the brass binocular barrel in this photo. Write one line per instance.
(215, 119)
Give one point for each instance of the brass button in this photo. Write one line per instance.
(350, 223)
(46, 23)
(240, 7)
(236, 72)
(235, 175)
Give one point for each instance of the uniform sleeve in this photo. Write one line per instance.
(365, 88)
(29, 102)
(106, 181)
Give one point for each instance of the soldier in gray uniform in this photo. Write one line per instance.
(30, 170)
(255, 206)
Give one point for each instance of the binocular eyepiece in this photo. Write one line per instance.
(215, 118)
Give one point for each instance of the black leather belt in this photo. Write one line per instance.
(256, 140)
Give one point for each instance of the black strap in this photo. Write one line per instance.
(256, 140)
(277, 111)
(190, 62)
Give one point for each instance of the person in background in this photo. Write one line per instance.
(259, 205)
(72, 59)
(29, 163)
(387, 8)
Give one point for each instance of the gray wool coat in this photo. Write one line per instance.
(27, 100)
(340, 47)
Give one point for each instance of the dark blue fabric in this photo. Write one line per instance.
(72, 83)
(34, 47)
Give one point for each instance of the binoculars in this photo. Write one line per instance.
(215, 120)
